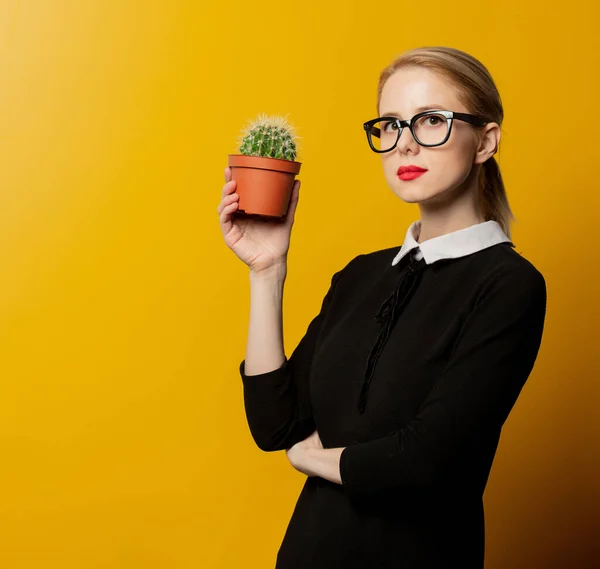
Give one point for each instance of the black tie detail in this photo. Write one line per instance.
(388, 314)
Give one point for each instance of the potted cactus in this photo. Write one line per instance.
(266, 168)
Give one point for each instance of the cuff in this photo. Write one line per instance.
(367, 467)
(266, 376)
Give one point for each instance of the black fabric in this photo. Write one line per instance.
(388, 314)
(453, 343)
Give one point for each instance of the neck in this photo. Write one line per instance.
(441, 216)
(435, 227)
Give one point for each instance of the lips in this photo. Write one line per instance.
(411, 168)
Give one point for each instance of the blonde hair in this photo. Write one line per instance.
(477, 91)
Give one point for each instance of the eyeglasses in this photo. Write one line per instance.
(429, 128)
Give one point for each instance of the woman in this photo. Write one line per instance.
(393, 401)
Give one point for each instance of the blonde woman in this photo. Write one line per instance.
(393, 402)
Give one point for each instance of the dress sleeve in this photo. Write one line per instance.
(277, 403)
(492, 358)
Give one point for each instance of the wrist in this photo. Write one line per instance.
(277, 271)
(310, 460)
(323, 462)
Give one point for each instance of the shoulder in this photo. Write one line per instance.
(508, 261)
(369, 262)
(504, 272)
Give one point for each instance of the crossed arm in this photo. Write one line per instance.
(309, 457)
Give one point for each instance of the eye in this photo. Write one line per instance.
(434, 118)
(387, 124)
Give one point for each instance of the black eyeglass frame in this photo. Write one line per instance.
(476, 120)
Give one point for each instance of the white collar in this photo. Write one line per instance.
(454, 244)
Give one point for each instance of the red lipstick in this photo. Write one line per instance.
(410, 172)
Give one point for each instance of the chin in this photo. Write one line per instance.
(413, 194)
(409, 199)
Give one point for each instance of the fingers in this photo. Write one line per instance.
(227, 201)
(228, 188)
(226, 214)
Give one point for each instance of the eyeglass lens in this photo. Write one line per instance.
(428, 129)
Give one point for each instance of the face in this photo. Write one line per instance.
(450, 167)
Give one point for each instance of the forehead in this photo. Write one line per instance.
(408, 89)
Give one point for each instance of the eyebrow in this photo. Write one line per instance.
(417, 110)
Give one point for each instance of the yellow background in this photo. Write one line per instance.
(123, 315)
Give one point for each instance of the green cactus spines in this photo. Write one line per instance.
(269, 137)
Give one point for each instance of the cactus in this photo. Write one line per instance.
(269, 137)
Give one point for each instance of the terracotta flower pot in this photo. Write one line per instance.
(263, 184)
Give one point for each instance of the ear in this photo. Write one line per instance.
(489, 139)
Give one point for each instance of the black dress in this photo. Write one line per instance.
(413, 369)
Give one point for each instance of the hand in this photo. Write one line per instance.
(297, 455)
(261, 243)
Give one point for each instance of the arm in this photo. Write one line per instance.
(276, 397)
(492, 359)
(264, 347)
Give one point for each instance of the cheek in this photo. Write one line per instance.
(389, 170)
(444, 178)
(450, 168)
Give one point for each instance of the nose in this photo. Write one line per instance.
(406, 141)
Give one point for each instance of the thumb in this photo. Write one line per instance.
(291, 213)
